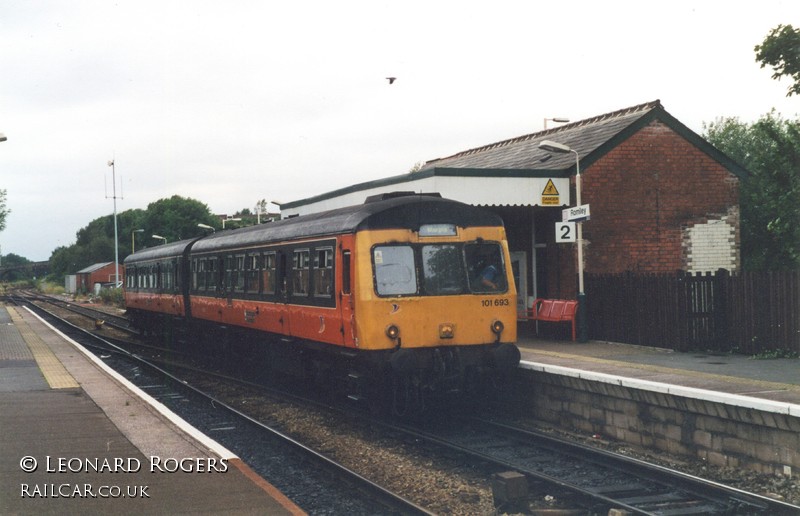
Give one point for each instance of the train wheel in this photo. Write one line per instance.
(407, 397)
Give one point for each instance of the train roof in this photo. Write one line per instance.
(168, 250)
(403, 211)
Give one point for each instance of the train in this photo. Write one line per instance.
(401, 298)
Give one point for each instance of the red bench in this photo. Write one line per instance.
(552, 310)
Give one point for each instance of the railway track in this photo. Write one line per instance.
(595, 479)
(601, 479)
(316, 482)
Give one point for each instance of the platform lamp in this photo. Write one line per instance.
(133, 240)
(206, 226)
(2, 139)
(159, 237)
(231, 219)
(551, 146)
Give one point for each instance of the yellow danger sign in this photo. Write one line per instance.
(550, 195)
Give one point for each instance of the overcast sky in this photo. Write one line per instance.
(232, 102)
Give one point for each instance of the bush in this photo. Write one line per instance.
(113, 296)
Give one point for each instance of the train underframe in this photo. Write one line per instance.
(403, 381)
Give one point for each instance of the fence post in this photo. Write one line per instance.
(720, 308)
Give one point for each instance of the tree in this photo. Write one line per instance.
(174, 218)
(781, 50)
(3, 210)
(770, 196)
(177, 218)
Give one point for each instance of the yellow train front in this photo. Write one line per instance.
(434, 304)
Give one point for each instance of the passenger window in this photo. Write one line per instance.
(268, 273)
(323, 272)
(394, 270)
(300, 274)
(253, 265)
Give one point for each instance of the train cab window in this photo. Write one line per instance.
(268, 273)
(485, 268)
(443, 270)
(323, 272)
(394, 270)
(300, 273)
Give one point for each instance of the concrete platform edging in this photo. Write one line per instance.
(159, 407)
(738, 400)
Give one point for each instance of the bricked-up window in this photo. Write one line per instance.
(268, 273)
(300, 272)
(323, 272)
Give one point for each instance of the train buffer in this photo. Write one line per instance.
(551, 310)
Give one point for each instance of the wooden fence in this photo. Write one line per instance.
(751, 312)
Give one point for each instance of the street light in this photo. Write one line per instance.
(159, 237)
(229, 220)
(552, 146)
(206, 226)
(133, 241)
(557, 119)
(3, 137)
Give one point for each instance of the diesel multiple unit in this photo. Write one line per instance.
(402, 296)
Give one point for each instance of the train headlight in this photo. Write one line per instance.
(497, 327)
(392, 332)
(447, 330)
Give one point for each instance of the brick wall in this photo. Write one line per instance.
(654, 198)
(722, 435)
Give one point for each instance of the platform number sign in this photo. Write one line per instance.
(565, 232)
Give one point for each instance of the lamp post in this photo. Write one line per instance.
(206, 226)
(551, 146)
(2, 139)
(159, 237)
(133, 240)
(116, 238)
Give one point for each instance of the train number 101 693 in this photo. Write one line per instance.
(494, 302)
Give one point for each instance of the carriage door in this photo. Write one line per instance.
(282, 287)
(346, 300)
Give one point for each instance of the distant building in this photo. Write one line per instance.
(661, 198)
(97, 274)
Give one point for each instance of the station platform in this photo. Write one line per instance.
(76, 438)
(772, 385)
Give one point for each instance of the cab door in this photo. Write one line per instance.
(346, 301)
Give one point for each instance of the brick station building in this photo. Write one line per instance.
(662, 199)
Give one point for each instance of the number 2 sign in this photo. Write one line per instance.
(565, 232)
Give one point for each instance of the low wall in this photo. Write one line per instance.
(729, 431)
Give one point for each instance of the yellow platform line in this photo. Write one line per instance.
(52, 369)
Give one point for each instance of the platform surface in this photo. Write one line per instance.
(737, 378)
(75, 440)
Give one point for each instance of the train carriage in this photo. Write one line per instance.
(412, 290)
